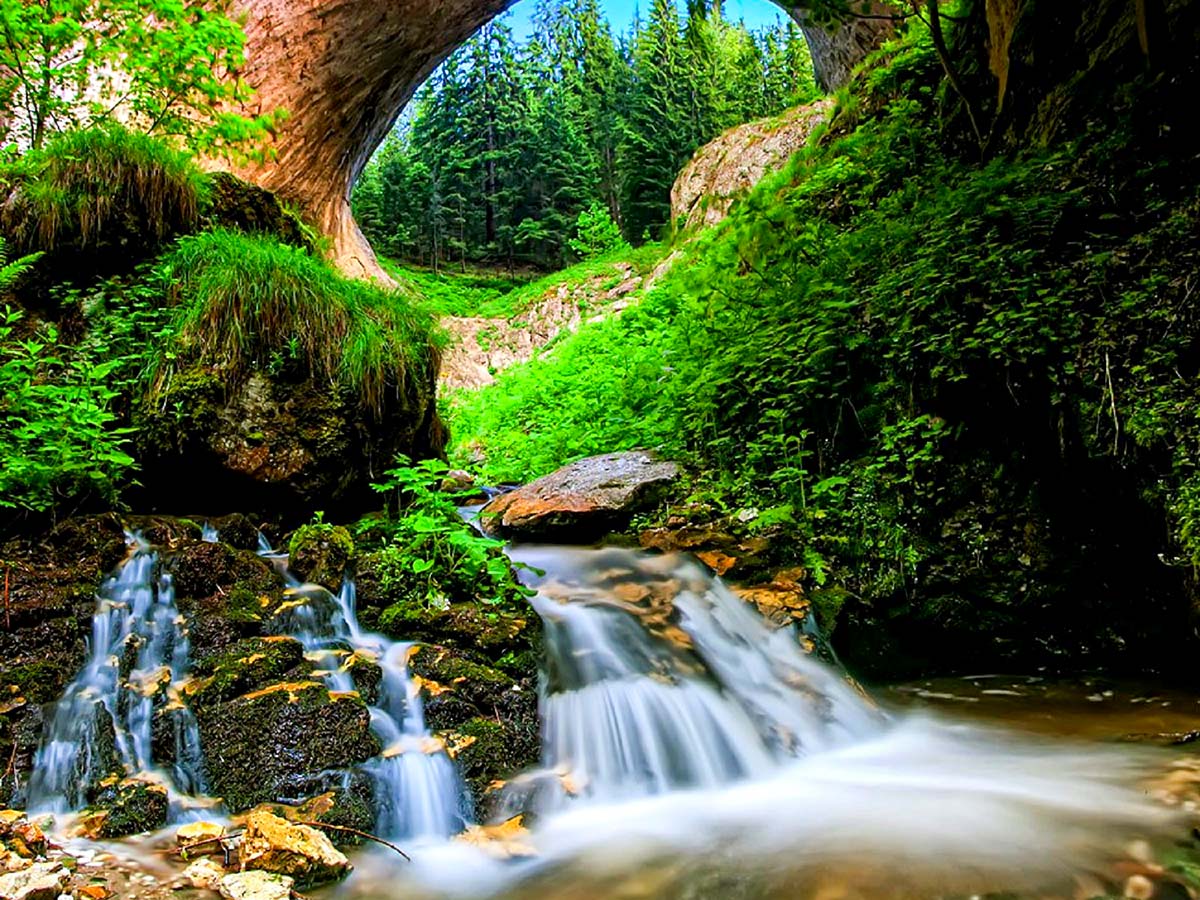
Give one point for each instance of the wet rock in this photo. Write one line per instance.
(204, 837)
(233, 203)
(273, 743)
(41, 881)
(489, 749)
(127, 807)
(255, 885)
(497, 633)
(781, 603)
(204, 874)
(584, 501)
(247, 666)
(280, 441)
(347, 805)
(276, 845)
(20, 836)
(228, 593)
(321, 553)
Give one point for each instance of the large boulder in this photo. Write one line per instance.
(278, 440)
(583, 501)
(730, 165)
(274, 844)
(281, 743)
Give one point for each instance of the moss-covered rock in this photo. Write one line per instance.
(126, 807)
(321, 552)
(247, 666)
(490, 750)
(274, 744)
(276, 440)
(233, 203)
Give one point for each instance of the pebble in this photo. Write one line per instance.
(1139, 887)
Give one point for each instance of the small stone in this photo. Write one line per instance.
(1139, 887)
(202, 833)
(205, 874)
(256, 885)
(276, 845)
(41, 881)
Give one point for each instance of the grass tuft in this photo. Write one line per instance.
(94, 187)
(248, 302)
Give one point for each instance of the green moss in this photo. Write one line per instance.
(274, 744)
(495, 753)
(130, 807)
(250, 302)
(38, 682)
(321, 552)
(247, 666)
(91, 188)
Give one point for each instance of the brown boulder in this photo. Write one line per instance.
(583, 501)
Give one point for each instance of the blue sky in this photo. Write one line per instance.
(620, 13)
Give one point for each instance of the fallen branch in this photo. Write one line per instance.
(357, 833)
(232, 835)
(7, 607)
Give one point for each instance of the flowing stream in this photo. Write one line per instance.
(418, 793)
(138, 648)
(689, 750)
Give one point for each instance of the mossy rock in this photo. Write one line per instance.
(233, 203)
(228, 594)
(490, 751)
(269, 745)
(274, 440)
(122, 808)
(247, 666)
(321, 553)
(448, 670)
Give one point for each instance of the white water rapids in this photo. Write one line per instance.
(684, 740)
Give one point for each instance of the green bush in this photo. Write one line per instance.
(59, 440)
(596, 234)
(430, 556)
(100, 187)
(244, 302)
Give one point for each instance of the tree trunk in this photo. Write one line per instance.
(343, 69)
(838, 47)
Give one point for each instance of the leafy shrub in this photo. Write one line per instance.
(104, 186)
(596, 233)
(431, 556)
(59, 441)
(246, 301)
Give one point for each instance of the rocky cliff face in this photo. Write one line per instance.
(344, 70)
(728, 167)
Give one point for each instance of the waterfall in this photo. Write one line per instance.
(137, 654)
(418, 793)
(657, 677)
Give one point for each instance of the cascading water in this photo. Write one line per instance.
(683, 736)
(138, 653)
(417, 790)
(658, 677)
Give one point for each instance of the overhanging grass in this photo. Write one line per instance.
(91, 187)
(248, 302)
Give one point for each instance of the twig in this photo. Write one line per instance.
(221, 839)
(357, 833)
(7, 606)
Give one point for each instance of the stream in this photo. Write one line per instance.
(691, 751)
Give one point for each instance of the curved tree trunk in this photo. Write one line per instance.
(838, 47)
(343, 69)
